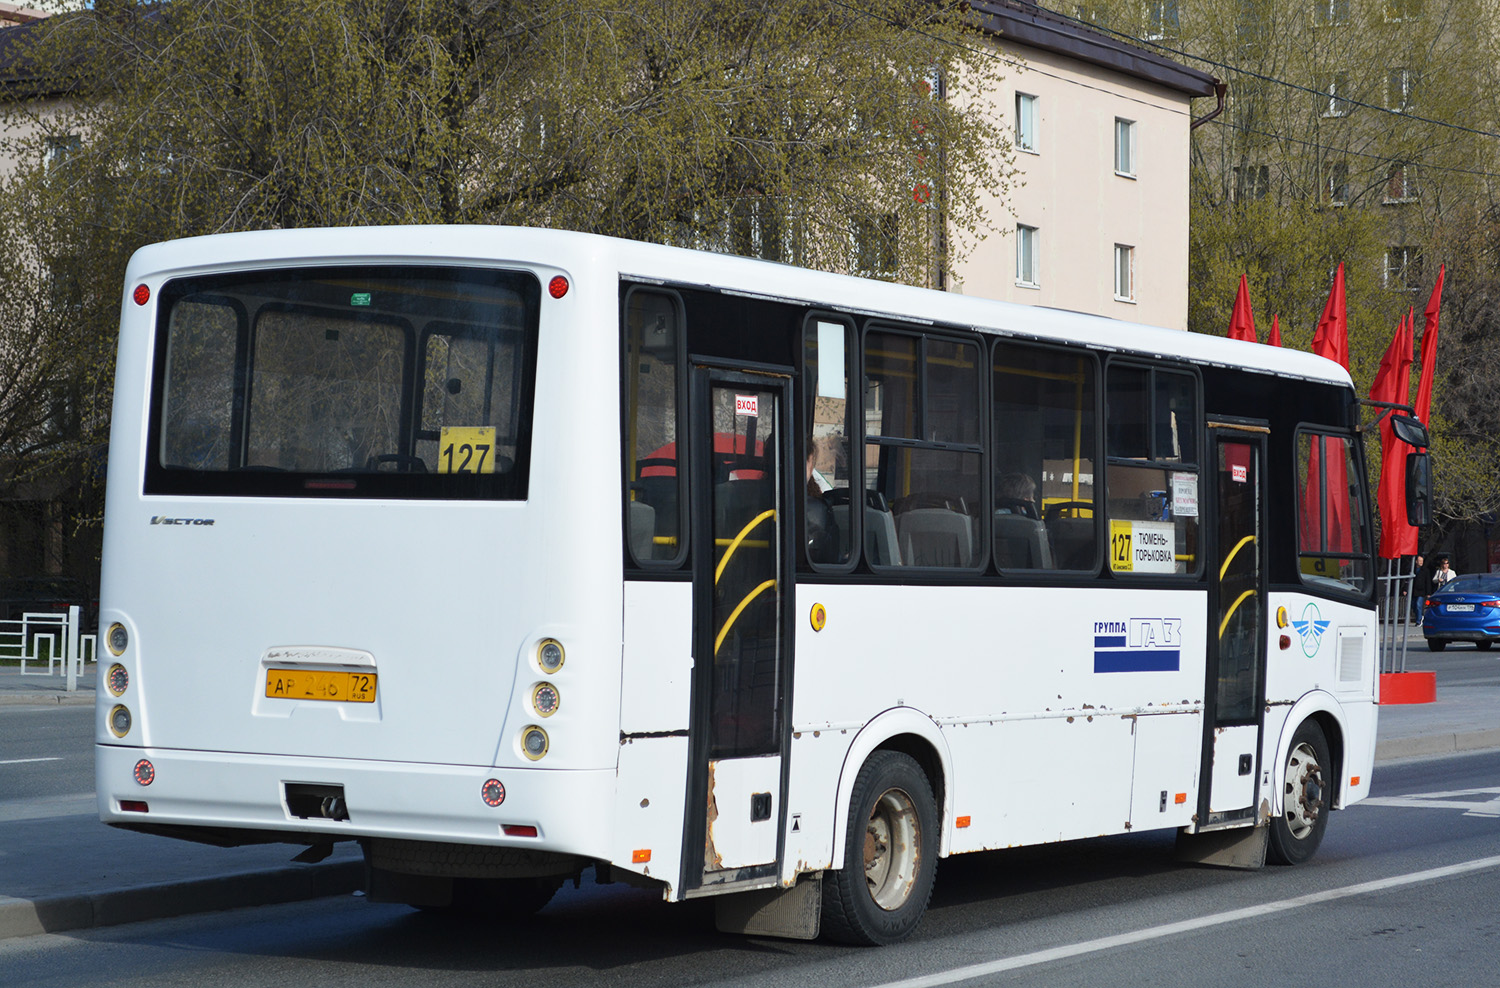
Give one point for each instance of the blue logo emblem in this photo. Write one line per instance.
(1310, 629)
(1138, 645)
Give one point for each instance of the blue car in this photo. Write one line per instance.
(1465, 609)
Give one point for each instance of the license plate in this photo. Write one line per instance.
(315, 684)
(1456, 608)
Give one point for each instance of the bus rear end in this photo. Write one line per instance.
(338, 579)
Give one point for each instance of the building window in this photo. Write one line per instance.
(1163, 21)
(1247, 102)
(1124, 273)
(874, 239)
(1251, 182)
(1028, 240)
(1336, 101)
(1400, 89)
(1125, 152)
(1396, 11)
(1401, 184)
(1336, 183)
(59, 149)
(1403, 268)
(1330, 13)
(1026, 122)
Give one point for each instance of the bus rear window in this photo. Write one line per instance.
(345, 382)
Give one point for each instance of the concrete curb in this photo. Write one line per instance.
(1437, 744)
(55, 914)
(47, 699)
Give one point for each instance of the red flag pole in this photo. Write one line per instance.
(1332, 338)
(1429, 348)
(1242, 319)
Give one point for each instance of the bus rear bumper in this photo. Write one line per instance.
(285, 798)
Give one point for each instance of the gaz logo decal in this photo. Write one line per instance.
(1310, 629)
(1138, 645)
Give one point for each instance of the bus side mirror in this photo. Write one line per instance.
(1410, 431)
(1418, 489)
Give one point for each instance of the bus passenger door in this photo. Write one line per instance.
(1237, 611)
(742, 572)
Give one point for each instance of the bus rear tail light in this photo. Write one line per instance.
(145, 772)
(518, 830)
(119, 720)
(134, 806)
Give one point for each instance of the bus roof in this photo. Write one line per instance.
(634, 260)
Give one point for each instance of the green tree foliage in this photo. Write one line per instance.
(783, 128)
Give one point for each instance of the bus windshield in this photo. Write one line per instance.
(368, 381)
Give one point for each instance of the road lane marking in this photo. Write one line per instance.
(1450, 800)
(971, 971)
(23, 761)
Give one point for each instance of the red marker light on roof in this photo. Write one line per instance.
(142, 295)
(558, 286)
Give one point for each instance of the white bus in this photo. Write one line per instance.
(512, 554)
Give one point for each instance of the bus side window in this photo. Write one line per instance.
(828, 500)
(1152, 479)
(655, 469)
(922, 450)
(1045, 455)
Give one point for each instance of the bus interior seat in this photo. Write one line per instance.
(642, 521)
(935, 537)
(882, 547)
(1021, 542)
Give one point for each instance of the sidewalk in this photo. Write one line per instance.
(117, 876)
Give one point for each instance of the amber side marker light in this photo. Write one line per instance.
(640, 857)
(1354, 781)
(961, 822)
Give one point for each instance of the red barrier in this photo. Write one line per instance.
(1408, 687)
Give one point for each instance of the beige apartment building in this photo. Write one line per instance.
(1097, 217)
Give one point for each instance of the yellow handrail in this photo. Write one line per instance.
(736, 613)
(1232, 553)
(768, 513)
(1225, 623)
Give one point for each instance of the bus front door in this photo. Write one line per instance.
(741, 640)
(1237, 647)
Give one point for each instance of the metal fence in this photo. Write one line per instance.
(1397, 607)
(52, 639)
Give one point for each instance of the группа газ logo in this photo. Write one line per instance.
(1138, 645)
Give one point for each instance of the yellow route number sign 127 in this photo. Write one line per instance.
(466, 449)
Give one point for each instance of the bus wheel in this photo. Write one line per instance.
(1307, 798)
(890, 855)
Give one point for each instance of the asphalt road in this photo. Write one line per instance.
(1374, 908)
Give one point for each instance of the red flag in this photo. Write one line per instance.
(1242, 321)
(1275, 338)
(1393, 384)
(1429, 348)
(1332, 339)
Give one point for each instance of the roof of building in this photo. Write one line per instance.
(1025, 23)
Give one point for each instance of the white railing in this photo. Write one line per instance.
(52, 638)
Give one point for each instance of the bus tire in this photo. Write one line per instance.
(1307, 798)
(890, 855)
